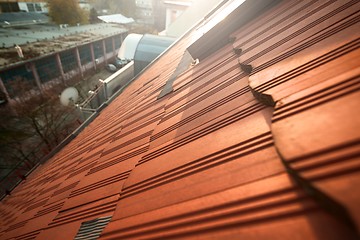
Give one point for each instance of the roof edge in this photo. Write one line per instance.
(218, 36)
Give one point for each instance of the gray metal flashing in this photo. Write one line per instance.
(218, 35)
(184, 64)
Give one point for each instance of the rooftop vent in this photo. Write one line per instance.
(91, 230)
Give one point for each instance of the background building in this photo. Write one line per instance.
(151, 12)
(145, 10)
(182, 15)
(174, 9)
(84, 4)
(23, 5)
(38, 6)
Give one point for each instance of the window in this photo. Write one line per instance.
(98, 49)
(38, 7)
(31, 7)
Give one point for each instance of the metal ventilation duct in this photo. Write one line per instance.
(143, 49)
(149, 47)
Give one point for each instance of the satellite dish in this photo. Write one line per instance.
(69, 95)
(111, 68)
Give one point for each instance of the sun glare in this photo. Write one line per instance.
(217, 18)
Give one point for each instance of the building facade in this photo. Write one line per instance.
(60, 67)
(151, 12)
(174, 9)
(144, 10)
(38, 6)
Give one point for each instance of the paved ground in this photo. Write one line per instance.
(92, 81)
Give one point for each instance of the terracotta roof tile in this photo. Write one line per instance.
(267, 153)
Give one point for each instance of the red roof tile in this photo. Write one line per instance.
(272, 153)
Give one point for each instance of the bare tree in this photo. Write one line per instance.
(33, 120)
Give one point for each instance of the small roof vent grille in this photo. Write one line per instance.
(91, 230)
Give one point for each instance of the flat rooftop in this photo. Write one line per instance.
(37, 40)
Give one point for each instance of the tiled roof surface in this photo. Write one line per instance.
(273, 154)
